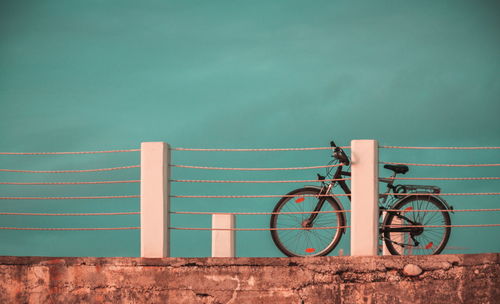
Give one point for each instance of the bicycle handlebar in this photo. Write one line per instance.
(339, 154)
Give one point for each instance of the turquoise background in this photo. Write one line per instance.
(104, 75)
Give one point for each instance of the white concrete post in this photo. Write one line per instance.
(223, 240)
(364, 199)
(155, 205)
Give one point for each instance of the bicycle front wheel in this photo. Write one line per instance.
(293, 232)
(419, 227)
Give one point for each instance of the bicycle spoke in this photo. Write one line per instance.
(430, 240)
(432, 217)
(304, 241)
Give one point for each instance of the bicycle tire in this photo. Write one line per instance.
(307, 241)
(428, 236)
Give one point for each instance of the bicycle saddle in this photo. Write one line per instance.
(397, 168)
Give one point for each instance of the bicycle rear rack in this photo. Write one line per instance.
(415, 189)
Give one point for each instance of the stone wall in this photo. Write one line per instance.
(387, 279)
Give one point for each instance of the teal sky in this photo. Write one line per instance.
(103, 75)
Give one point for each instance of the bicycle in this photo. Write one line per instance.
(310, 221)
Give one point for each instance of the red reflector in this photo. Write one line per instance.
(299, 200)
(310, 250)
(429, 246)
(409, 209)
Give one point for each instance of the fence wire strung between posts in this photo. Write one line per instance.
(329, 180)
(253, 182)
(238, 182)
(443, 165)
(69, 197)
(445, 179)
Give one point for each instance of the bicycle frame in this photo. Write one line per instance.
(326, 189)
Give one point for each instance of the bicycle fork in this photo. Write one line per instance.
(308, 223)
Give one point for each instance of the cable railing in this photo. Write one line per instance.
(440, 148)
(256, 229)
(253, 169)
(441, 165)
(258, 181)
(253, 196)
(232, 229)
(326, 228)
(65, 183)
(442, 194)
(64, 153)
(254, 149)
(443, 178)
(257, 213)
(430, 193)
(70, 171)
(69, 229)
(67, 197)
(69, 214)
(71, 183)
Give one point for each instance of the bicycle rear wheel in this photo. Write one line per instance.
(411, 231)
(290, 234)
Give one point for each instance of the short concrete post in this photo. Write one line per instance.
(155, 205)
(223, 240)
(364, 199)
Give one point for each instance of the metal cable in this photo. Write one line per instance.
(440, 148)
(254, 169)
(439, 194)
(254, 196)
(69, 229)
(443, 178)
(241, 229)
(255, 150)
(70, 197)
(333, 211)
(71, 171)
(337, 227)
(72, 183)
(257, 181)
(443, 226)
(59, 153)
(236, 213)
(68, 214)
(258, 213)
(320, 195)
(258, 229)
(441, 165)
(440, 210)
